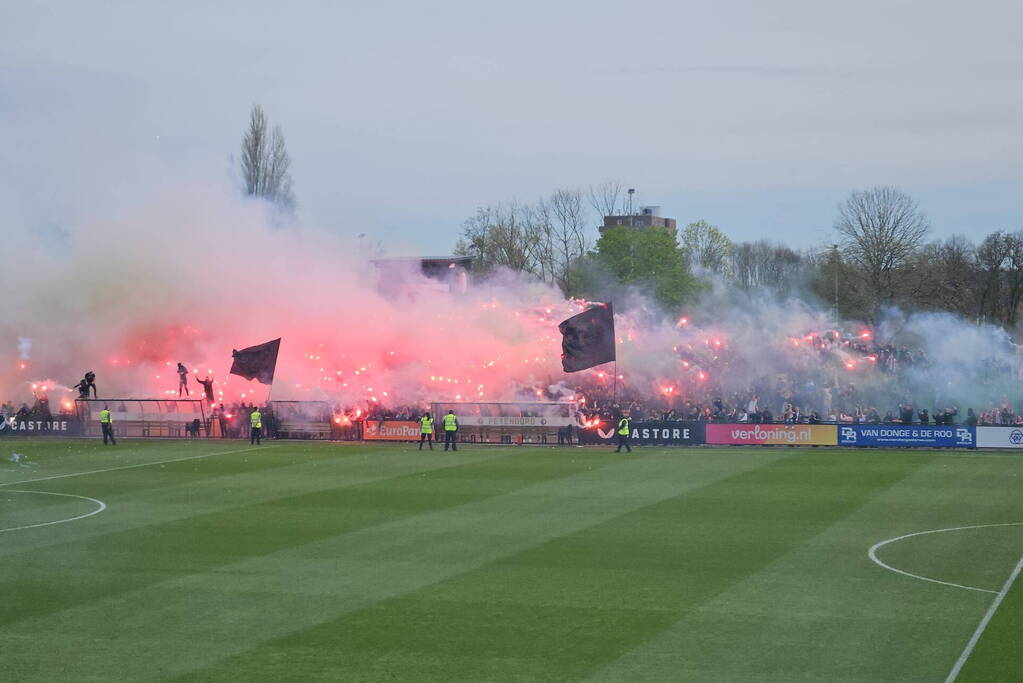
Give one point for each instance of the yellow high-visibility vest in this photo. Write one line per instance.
(256, 418)
(426, 425)
(623, 426)
(104, 416)
(450, 423)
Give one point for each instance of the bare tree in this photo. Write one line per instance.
(947, 276)
(881, 228)
(706, 246)
(568, 233)
(539, 241)
(265, 163)
(606, 198)
(755, 265)
(1014, 279)
(992, 257)
(544, 239)
(498, 236)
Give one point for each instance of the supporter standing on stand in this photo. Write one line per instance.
(87, 383)
(207, 388)
(182, 380)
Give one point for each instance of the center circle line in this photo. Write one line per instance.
(100, 507)
(872, 554)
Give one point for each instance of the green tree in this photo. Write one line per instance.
(648, 258)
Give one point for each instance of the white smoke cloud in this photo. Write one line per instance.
(191, 274)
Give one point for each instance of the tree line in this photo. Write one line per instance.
(881, 255)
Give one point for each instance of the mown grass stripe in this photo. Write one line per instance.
(206, 615)
(975, 638)
(120, 561)
(563, 608)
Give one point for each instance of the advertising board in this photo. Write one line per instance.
(999, 437)
(934, 436)
(391, 430)
(647, 433)
(512, 421)
(772, 435)
(56, 426)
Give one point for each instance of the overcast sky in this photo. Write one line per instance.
(403, 117)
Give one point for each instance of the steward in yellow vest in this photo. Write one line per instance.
(256, 422)
(450, 430)
(106, 424)
(624, 433)
(426, 431)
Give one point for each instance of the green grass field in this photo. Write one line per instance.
(306, 561)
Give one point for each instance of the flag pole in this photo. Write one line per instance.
(270, 390)
(614, 391)
(614, 341)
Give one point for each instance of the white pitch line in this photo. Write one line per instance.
(128, 467)
(101, 507)
(872, 553)
(954, 673)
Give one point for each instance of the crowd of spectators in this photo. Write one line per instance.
(829, 378)
(754, 409)
(825, 378)
(39, 410)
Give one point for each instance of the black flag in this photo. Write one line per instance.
(589, 338)
(257, 362)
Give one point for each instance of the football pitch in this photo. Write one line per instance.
(216, 561)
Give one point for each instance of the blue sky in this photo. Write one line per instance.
(403, 117)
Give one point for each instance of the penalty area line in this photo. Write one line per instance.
(968, 650)
(130, 467)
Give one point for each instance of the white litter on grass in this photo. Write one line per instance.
(20, 460)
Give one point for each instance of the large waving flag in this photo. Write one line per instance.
(257, 362)
(588, 339)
